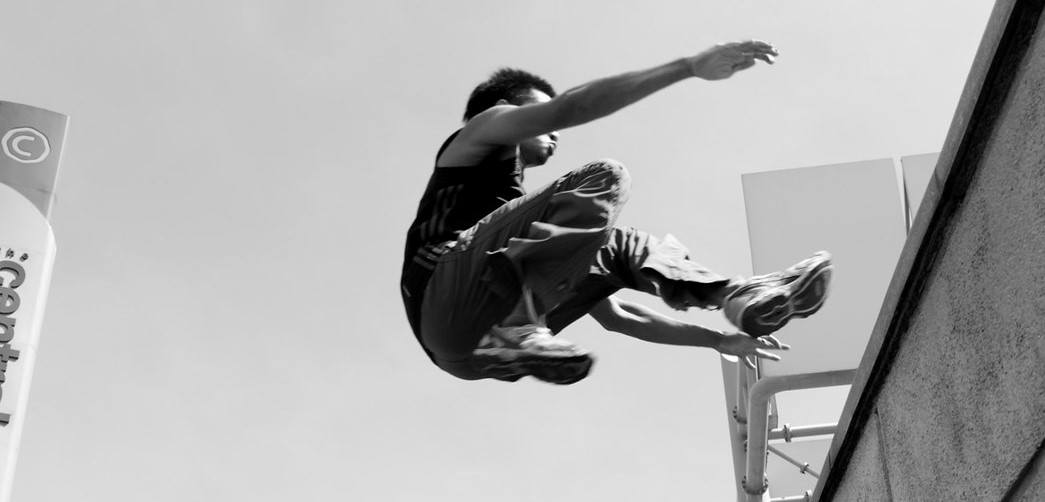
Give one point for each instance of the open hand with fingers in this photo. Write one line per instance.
(746, 347)
(723, 60)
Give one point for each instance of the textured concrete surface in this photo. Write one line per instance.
(965, 398)
(1033, 484)
(867, 479)
(957, 394)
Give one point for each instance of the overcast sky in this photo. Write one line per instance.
(224, 321)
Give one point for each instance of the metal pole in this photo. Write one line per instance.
(806, 497)
(803, 467)
(787, 433)
(740, 410)
(758, 408)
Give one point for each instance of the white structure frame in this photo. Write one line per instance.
(874, 196)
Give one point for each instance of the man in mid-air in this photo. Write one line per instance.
(491, 273)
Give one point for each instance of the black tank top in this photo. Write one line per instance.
(455, 199)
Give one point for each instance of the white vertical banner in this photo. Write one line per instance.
(31, 141)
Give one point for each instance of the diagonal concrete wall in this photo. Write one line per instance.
(949, 403)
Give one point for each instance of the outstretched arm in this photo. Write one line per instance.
(641, 322)
(509, 124)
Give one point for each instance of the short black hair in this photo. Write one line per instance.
(511, 84)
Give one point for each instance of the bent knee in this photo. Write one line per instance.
(615, 170)
(611, 166)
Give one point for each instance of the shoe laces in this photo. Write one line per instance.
(772, 279)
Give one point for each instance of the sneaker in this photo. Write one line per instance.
(511, 352)
(763, 304)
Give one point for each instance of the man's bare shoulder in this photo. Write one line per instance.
(466, 148)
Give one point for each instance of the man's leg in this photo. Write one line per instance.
(634, 259)
(758, 306)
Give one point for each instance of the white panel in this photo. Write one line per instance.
(917, 171)
(855, 212)
(27, 254)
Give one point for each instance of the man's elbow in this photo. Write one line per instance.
(608, 315)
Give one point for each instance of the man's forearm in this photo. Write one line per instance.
(641, 322)
(604, 96)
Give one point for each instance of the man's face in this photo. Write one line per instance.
(536, 151)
